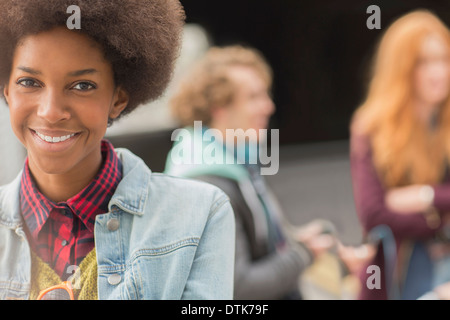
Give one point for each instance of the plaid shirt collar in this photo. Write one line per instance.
(89, 202)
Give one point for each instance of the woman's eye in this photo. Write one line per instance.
(28, 83)
(84, 86)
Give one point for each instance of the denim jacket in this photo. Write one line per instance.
(163, 238)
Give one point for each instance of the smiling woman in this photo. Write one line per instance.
(80, 204)
(61, 94)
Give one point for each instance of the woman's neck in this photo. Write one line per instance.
(61, 187)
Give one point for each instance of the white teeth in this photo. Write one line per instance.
(54, 139)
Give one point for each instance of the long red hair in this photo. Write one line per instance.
(404, 150)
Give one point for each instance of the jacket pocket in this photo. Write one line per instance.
(161, 273)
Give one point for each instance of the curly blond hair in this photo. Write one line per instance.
(208, 84)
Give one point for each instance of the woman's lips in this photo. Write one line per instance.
(54, 140)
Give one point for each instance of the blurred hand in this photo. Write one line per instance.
(443, 291)
(355, 258)
(313, 237)
(406, 200)
(320, 244)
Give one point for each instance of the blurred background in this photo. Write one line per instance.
(320, 52)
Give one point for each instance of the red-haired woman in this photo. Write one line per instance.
(400, 152)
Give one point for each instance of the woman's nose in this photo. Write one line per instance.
(53, 107)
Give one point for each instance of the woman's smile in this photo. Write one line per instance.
(54, 141)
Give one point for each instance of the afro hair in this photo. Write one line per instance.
(140, 38)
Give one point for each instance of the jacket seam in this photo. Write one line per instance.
(218, 204)
(15, 286)
(193, 241)
(10, 226)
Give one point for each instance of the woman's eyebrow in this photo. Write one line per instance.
(29, 70)
(71, 74)
(82, 72)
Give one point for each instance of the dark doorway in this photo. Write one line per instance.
(320, 52)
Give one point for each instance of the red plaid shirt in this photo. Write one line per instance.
(62, 234)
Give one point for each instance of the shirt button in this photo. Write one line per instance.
(64, 243)
(114, 279)
(113, 224)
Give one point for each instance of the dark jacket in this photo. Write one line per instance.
(261, 271)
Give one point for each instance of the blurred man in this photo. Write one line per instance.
(224, 105)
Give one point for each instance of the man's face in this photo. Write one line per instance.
(60, 94)
(252, 106)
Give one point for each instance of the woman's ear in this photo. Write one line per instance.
(120, 102)
(6, 93)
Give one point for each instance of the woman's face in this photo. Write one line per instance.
(432, 73)
(60, 95)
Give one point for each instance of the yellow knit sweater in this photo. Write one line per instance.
(43, 277)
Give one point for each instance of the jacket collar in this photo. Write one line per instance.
(132, 192)
(130, 196)
(10, 204)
